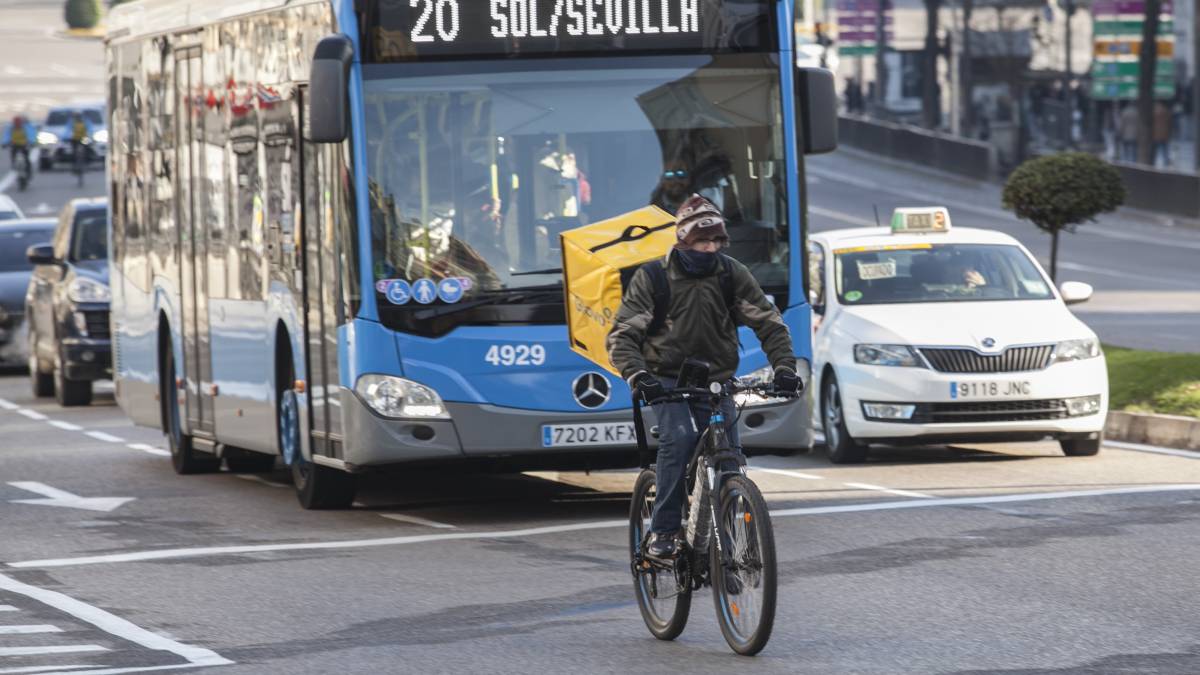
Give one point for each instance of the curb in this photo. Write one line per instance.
(96, 33)
(1170, 431)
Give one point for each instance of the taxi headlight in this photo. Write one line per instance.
(100, 136)
(887, 355)
(1083, 405)
(1077, 350)
(47, 138)
(83, 289)
(397, 397)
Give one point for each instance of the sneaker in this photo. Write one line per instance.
(661, 545)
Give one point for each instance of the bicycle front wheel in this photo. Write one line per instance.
(743, 571)
(664, 605)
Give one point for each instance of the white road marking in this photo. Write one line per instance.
(50, 649)
(8, 405)
(43, 669)
(63, 70)
(8, 608)
(62, 498)
(259, 479)
(891, 491)
(29, 629)
(416, 520)
(113, 625)
(792, 474)
(839, 215)
(1138, 447)
(64, 425)
(165, 554)
(101, 436)
(7, 181)
(32, 414)
(150, 449)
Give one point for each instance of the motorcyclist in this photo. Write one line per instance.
(20, 136)
(700, 324)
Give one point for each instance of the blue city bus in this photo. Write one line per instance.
(335, 226)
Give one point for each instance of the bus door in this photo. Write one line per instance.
(193, 243)
(322, 297)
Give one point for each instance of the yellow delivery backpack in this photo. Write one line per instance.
(598, 261)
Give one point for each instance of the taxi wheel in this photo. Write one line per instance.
(1080, 447)
(839, 445)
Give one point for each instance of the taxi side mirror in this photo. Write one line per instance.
(1075, 292)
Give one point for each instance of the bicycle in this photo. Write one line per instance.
(79, 161)
(728, 529)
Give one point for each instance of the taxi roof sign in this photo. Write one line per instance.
(920, 219)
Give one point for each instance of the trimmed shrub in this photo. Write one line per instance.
(82, 13)
(1059, 192)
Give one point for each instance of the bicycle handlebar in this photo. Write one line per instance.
(723, 390)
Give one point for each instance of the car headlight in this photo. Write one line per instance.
(1077, 350)
(397, 397)
(887, 355)
(83, 289)
(750, 398)
(100, 136)
(47, 138)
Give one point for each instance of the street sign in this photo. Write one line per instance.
(1128, 91)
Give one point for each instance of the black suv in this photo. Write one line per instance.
(66, 305)
(15, 270)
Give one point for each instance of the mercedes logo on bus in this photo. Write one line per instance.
(591, 390)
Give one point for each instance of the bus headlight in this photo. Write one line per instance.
(100, 136)
(397, 397)
(83, 289)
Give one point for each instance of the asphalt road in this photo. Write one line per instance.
(1009, 559)
(1142, 266)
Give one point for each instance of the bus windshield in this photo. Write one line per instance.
(475, 168)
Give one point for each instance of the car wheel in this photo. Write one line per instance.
(839, 445)
(41, 383)
(45, 164)
(1080, 447)
(70, 393)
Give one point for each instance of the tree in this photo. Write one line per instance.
(1059, 192)
(82, 13)
(1147, 60)
(931, 104)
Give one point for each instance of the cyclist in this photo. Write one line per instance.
(699, 323)
(20, 136)
(81, 131)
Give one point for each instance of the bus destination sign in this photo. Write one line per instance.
(404, 30)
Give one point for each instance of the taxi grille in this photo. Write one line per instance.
(1011, 360)
(97, 324)
(991, 411)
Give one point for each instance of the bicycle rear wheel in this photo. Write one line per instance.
(744, 574)
(664, 606)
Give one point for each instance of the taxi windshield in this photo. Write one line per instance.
(883, 275)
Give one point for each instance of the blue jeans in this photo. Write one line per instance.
(679, 427)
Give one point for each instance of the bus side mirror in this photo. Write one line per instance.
(328, 90)
(817, 104)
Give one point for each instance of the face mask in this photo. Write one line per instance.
(697, 263)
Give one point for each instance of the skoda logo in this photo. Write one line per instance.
(989, 343)
(591, 390)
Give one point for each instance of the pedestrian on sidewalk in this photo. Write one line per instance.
(1162, 133)
(1127, 131)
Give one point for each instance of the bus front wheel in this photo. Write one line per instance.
(317, 487)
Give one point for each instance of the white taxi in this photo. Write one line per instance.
(925, 333)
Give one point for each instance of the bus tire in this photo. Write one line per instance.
(317, 486)
(185, 459)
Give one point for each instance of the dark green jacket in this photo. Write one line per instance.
(697, 325)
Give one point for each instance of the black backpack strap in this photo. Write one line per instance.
(661, 288)
(725, 277)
